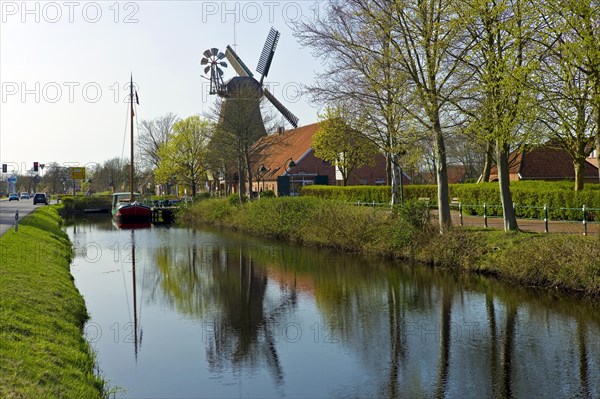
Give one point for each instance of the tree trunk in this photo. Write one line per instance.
(596, 104)
(388, 169)
(394, 179)
(241, 181)
(442, 178)
(508, 211)
(579, 165)
(487, 165)
(249, 170)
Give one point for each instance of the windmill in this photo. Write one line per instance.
(244, 87)
(212, 59)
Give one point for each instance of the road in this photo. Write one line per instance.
(8, 209)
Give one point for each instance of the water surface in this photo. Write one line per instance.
(220, 315)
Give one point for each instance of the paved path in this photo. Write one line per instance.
(8, 209)
(533, 225)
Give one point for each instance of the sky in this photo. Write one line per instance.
(65, 68)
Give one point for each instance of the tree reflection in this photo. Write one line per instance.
(381, 314)
(583, 360)
(226, 288)
(445, 340)
(508, 350)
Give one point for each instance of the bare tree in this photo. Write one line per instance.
(153, 135)
(239, 128)
(362, 74)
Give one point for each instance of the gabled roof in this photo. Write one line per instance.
(544, 163)
(280, 147)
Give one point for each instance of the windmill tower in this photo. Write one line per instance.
(244, 92)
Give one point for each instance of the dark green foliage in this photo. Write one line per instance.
(267, 194)
(234, 199)
(202, 196)
(79, 202)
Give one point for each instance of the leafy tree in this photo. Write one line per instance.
(575, 24)
(566, 105)
(338, 143)
(503, 59)
(184, 156)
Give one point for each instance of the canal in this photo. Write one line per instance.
(182, 313)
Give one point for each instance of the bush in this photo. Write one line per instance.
(201, 197)
(267, 194)
(80, 202)
(234, 199)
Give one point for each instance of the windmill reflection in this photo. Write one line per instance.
(244, 329)
(227, 289)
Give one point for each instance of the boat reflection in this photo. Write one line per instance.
(119, 225)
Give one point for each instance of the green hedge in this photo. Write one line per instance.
(80, 202)
(529, 197)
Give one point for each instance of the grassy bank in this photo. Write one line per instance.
(42, 350)
(570, 263)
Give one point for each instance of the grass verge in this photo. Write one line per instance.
(43, 353)
(567, 262)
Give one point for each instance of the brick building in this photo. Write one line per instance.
(272, 169)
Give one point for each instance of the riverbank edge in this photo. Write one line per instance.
(43, 351)
(569, 263)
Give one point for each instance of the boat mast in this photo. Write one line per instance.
(131, 198)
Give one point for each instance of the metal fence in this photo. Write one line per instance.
(486, 211)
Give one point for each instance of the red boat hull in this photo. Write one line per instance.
(133, 213)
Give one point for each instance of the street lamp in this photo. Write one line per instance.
(261, 175)
(290, 166)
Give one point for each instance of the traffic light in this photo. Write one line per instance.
(4, 168)
(35, 166)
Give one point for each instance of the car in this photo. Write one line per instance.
(24, 196)
(13, 196)
(41, 198)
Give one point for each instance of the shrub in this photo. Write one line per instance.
(267, 194)
(234, 199)
(202, 196)
(80, 202)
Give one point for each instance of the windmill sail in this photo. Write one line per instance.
(287, 114)
(264, 63)
(237, 63)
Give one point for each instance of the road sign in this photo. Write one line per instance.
(12, 179)
(77, 173)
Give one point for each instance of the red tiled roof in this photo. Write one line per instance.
(280, 147)
(544, 163)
